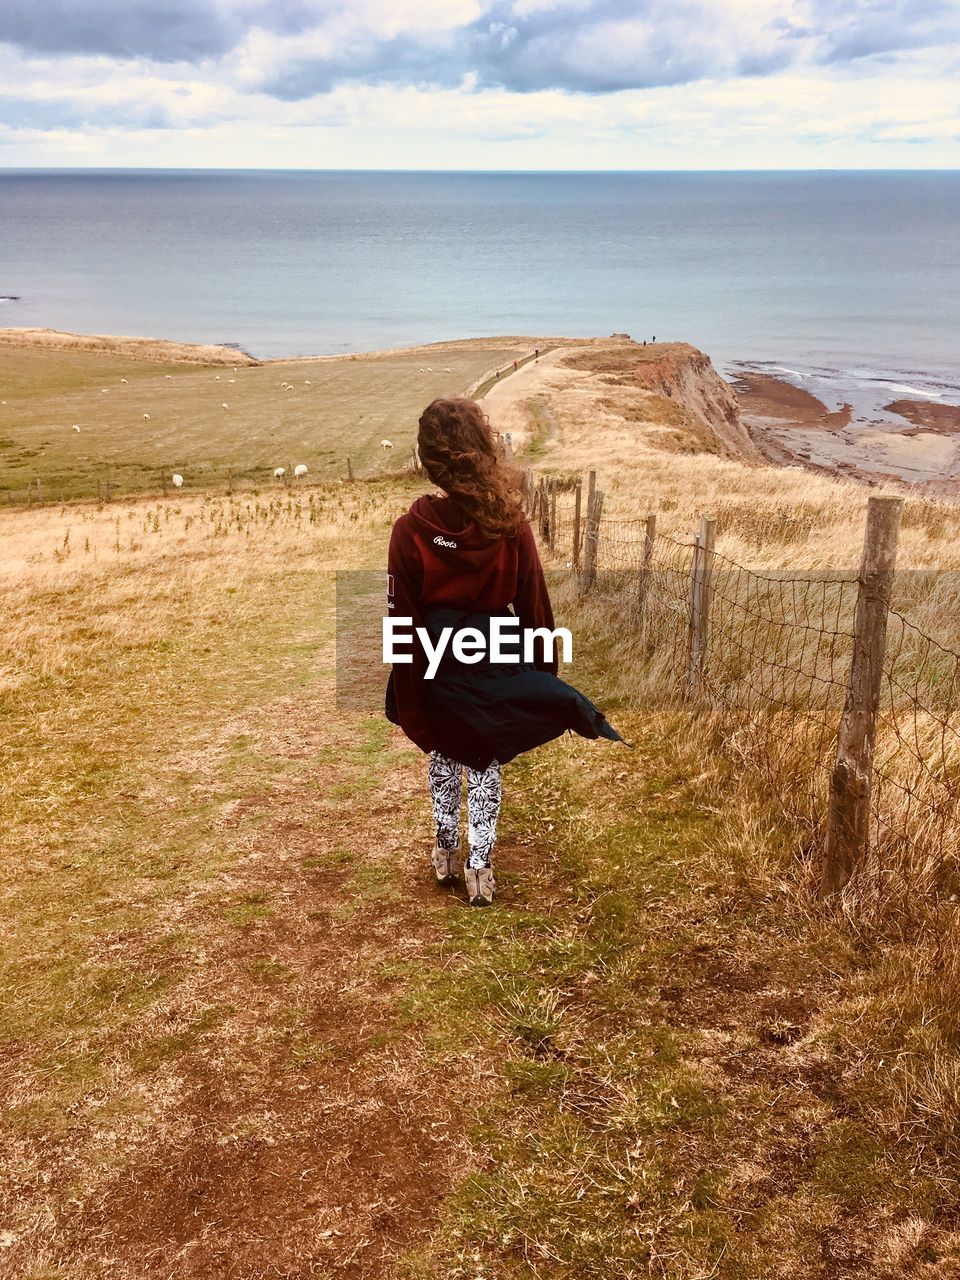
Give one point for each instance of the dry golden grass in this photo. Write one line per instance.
(768, 517)
(241, 1037)
(887, 1026)
(199, 919)
(53, 341)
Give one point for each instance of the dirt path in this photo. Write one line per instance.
(506, 401)
(288, 1122)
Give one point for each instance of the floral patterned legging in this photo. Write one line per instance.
(483, 806)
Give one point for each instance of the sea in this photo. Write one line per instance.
(846, 282)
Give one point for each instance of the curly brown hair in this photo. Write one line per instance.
(461, 455)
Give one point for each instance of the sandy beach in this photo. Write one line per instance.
(915, 441)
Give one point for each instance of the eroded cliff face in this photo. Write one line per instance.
(683, 376)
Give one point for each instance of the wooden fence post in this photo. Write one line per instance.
(594, 511)
(577, 500)
(643, 591)
(848, 812)
(552, 539)
(508, 447)
(544, 509)
(701, 574)
(349, 470)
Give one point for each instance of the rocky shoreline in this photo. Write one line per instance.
(916, 442)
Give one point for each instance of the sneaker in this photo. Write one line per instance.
(480, 885)
(446, 864)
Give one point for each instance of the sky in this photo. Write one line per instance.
(480, 84)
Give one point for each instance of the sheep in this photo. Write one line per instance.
(217, 378)
(177, 480)
(307, 382)
(224, 405)
(146, 417)
(300, 470)
(279, 472)
(291, 387)
(423, 371)
(76, 426)
(103, 391)
(231, 381)
(448, 371)
(168, 376)
(123, 382)
(386, 444)
(429, 370)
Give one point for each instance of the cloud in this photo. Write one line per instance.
(294, 49)
(868, 28)
(161, 30)
(521, 83)
(52, 114)
(599, 47)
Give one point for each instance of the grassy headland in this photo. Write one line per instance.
(243, 1034)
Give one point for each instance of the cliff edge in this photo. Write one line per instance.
(678, 381)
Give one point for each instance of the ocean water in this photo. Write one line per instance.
(850, 280)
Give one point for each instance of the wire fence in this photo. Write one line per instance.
(809, 687)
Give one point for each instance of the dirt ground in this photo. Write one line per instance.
(245, 1036)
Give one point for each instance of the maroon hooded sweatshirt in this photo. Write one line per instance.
(438, 557)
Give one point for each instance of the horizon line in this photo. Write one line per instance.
(479, 171)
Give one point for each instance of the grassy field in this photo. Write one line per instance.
(244, 1036)
(335, 409)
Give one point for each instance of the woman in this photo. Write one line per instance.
(458, 560)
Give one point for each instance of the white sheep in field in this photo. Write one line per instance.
(123, 382)
(300, 470)
(76, 426)
(423, 371)
(448, 371)
(231, 381)
(103, 391)
(307, 382)
(217, 378)
(146, 417)
(168, 376)
(291, 387)
(279, 472)
(177, 480)
(224, 405)
(429, 370)
(386, 444)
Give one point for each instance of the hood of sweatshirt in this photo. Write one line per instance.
(462, 567)
(451, 535)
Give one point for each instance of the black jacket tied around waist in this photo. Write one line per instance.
(485, 711)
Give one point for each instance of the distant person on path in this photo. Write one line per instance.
(516, 365)
(460, 558)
